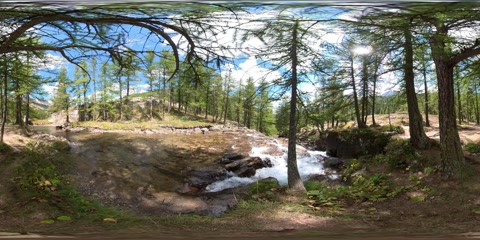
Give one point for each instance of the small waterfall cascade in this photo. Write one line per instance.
(309, 163)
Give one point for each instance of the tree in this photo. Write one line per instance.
(166, 67)
(81, 83)
(447, 52)
(395, 32)
(61, 99)
(287, 39)
(418, 138)
(93, 69)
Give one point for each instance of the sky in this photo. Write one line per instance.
(245, 65)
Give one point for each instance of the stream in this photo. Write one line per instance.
(151, 173)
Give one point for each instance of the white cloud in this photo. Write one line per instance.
(50, 61)
(250, 68)
(51, 90)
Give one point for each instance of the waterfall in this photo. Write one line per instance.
(309, 163)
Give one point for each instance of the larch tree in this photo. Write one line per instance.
(287, 46)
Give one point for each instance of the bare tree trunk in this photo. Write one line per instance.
(121, 100)
(150, 117)
(418, 138)
(427, 122)
(374, 95)
(360, 123)
(365, 90)
(459, 104)
(477, 114)
(18, 114)
(5, 99)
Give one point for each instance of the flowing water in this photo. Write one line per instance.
(148, 173)
(309, 164)
(182, 151)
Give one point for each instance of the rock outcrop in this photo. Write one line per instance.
(354, 143)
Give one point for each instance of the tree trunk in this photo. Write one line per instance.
(294, 180)
(374, 94)
(18, 114)
(5, 99)
(427, 122)
(418, 138)
(477, 114)
(459, 104)
(150, 117)
(360, 123)
(365, 90)
(27, 110)
(164, 90)
(95, 108)
(452, 158)
(67, 104)
(121, 99)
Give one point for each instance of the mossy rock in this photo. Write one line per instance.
(356, 142)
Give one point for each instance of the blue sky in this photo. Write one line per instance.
(245, 66)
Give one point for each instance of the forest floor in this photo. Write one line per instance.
(435, 207)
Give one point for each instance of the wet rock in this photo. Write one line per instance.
(318, 178)
(202, 177)
(230, 157)
(334, 163)
(246, 167)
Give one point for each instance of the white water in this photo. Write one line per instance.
(309, 163)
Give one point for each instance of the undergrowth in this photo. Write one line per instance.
(42, 180)
(472, 147)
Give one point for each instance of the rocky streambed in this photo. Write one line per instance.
(171, 172)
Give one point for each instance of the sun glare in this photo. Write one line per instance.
(362, 50)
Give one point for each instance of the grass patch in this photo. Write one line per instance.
(5, 148)
(41, 122)
(472, 147)
(154, 125)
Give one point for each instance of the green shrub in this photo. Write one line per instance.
(400, 154)
(41, 178)
(473, 147)
(392, 128)
(361, 189)
(5, 148)
(373, 188)
(265, 190)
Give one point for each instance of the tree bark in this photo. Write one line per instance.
(477, 114)
(360, 123)
(459, 104)
(452, 159)
(427, 121)
(418, 138)
(27, 110)
(5, 99)
(294, 179)
(374, 94)
(364, 90)
(451, 150)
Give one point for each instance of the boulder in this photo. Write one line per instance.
(201, 177)
(230, 157)
(355, 143)
(246, 167)
(333, 163)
